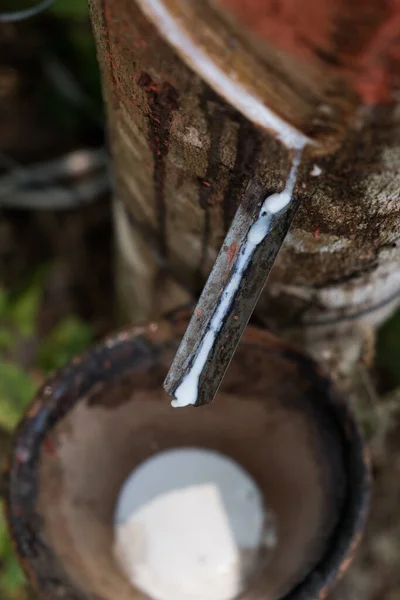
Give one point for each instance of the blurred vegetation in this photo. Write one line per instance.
(68, 98)
(18, 329)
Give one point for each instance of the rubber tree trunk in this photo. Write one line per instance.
(185, 144)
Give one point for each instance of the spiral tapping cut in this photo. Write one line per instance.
(272, 213)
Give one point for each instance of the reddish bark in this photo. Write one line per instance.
(360, 39)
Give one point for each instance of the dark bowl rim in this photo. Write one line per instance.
(45, 411)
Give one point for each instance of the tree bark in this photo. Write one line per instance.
(183, 155)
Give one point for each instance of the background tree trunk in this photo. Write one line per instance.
(183, 156)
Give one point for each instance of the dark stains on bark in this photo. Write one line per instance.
(214, 113)
(248, 147)
(162, 101)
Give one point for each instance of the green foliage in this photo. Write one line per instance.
(21, 309)
(18, 309)
(16, 390)
(66, 340)
(11, 574)
(69, 41)
(18, 316)
(18, 327)
(6, 338)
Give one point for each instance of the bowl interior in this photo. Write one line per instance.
(274, 415)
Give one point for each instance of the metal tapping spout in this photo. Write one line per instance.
(232, 290)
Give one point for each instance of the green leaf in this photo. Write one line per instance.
(11, 575)
(4, 538)
(7, 338)
(24, 308)
(16, 390)
(66, 340)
